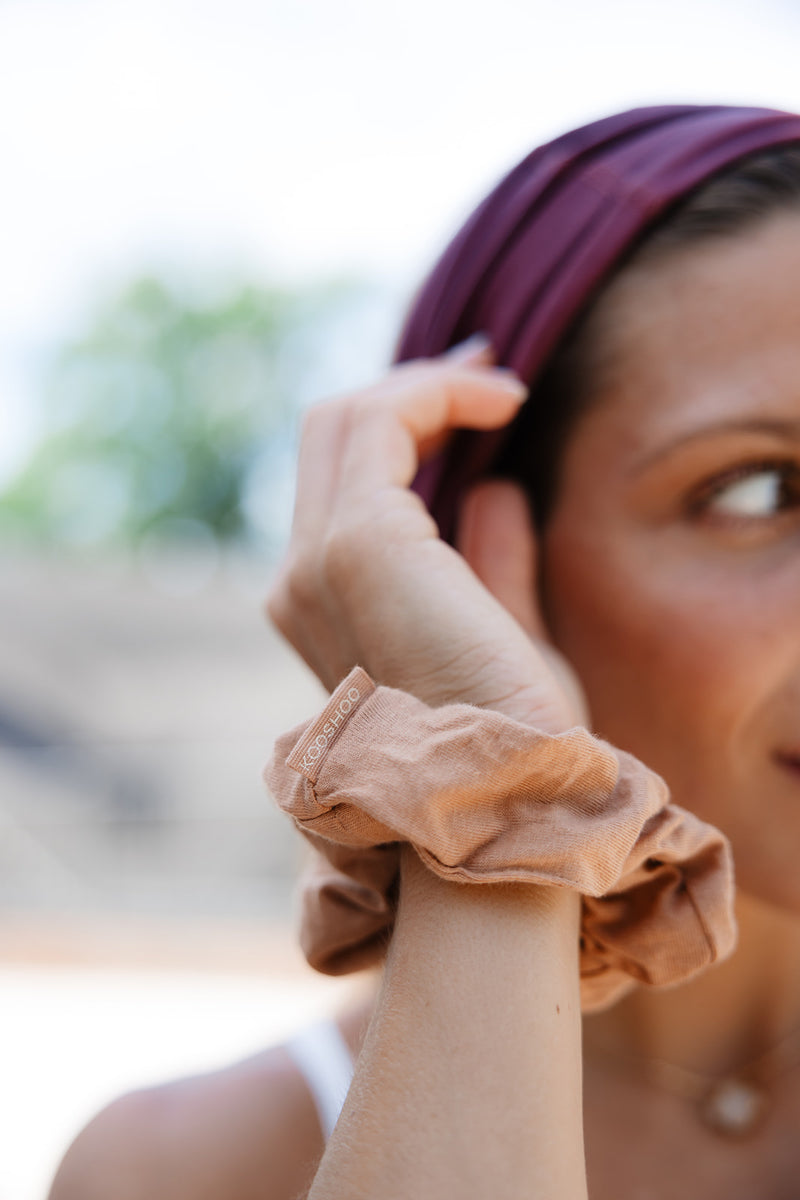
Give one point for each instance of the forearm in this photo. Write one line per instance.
(469, 1082)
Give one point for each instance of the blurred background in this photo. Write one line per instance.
(212, 214)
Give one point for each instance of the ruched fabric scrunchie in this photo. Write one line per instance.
(486, 799)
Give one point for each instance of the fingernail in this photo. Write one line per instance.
(474, 345)
(510, 383)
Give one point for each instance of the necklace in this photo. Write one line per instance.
(733, 1105)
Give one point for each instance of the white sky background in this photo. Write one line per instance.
(295, 138)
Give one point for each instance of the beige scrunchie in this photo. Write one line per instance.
(484, 799)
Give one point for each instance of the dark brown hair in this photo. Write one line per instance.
(724, 205)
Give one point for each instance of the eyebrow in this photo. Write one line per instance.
(770, 425)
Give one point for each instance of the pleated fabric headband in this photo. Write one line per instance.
(533, 253)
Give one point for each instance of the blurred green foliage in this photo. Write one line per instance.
(155, 415)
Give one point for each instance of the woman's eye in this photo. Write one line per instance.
(760, 492)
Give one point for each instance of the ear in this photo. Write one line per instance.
(497, 538)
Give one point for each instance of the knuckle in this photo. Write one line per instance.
(427, 374)
(303, 584)
(315, 415)
(366, 408)
(322, 417)
(275, 607)
(431, 373)
(292, 593)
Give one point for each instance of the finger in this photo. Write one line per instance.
(475, 352)
(497, 538)
(390, 427)
(325, 428)
(431, 397)
(477, 349)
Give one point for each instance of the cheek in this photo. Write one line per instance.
(665, 650)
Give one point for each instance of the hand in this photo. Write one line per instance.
(368, 580)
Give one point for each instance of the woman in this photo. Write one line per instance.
(642, 276)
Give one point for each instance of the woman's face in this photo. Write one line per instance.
(671, 563)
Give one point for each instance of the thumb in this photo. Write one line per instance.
(497, 538)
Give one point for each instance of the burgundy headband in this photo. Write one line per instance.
(530, 256)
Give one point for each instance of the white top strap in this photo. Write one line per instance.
(322, 1055)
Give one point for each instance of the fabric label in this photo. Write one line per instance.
(309, 753)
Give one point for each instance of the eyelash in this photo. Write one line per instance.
(701, 500)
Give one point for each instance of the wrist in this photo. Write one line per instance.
(504, 911)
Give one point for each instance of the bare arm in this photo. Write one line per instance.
(469, 1082)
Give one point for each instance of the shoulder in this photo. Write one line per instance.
(217, 1136)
